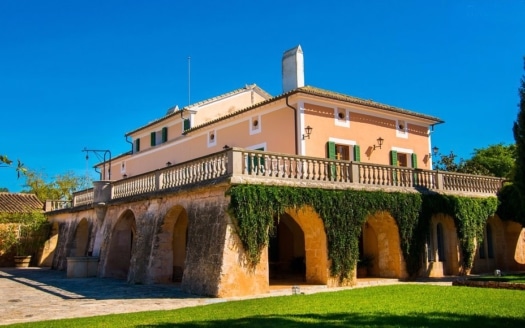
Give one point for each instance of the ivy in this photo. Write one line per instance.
(344, 212)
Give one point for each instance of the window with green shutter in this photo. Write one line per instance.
(331, 154)
(187, 124)
(153, 136)
(357, 153)
(393, 162)
(414, 161)
(164, 134)
(137, 145)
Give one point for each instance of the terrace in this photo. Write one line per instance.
(243, 166)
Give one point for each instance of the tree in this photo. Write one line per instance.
(495, 160)
(519, 136)
(61, 188)
(6, 162)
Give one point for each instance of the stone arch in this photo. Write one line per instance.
(443, 247)
(81, 239)
(490, 252)
(172, 243)
(121, 246)
(302, 253)
(381, 245)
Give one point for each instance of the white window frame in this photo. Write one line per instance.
(342, 122)
(254, 129)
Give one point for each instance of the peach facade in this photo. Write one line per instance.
(163, 215)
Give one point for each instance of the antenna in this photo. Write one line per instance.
(189, 75)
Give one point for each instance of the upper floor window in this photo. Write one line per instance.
(342, 117)
(343, 151)
(255, 124)
(137, 145)
(159, 137)
(401, 129)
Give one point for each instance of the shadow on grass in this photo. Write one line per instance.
(434, 319)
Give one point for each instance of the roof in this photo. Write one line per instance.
(310, 90)
(19, 203)
(175, 111)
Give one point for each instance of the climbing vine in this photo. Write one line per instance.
(344, 212)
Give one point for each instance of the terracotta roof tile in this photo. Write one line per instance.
(309, 90)
(19, 202)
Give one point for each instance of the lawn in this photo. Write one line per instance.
(406, 305)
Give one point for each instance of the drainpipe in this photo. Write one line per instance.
(295, 124)
(131, 143)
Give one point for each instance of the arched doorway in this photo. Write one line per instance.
(286, 252)
(81, 241)
(443, 247)
(176, 226)
(380, 247)
(49, 247)
(121, 246)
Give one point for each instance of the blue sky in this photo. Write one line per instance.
(80, 74)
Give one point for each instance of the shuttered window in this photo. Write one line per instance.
(164, 134)
(137, 145)
(414, 161)
(153, 136)
(187, 124)
(357, 153)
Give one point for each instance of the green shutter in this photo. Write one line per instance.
(164, 134)
(137, 145)
(330, 151)
(152, 136)
(414, 166)
(187, 124)
(357, 153)
(393, 158)
(393, 162)
(414, 161)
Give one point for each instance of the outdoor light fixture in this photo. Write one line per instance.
(308, 131)
(379, 143)
(225, 147)
(124, 176)
(168, 163)
(434, 151)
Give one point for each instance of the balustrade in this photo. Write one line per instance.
(263, 166)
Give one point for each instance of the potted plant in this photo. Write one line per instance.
(25, 234)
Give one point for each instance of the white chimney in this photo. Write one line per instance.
(293, 69)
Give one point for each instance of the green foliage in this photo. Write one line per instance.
(510, 204)
(519, 136)
(495, 160)
(6, 162)
(345, 211)
(23, 232)
(60, 188)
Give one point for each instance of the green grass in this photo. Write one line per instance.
(407, 305)
(512, 278)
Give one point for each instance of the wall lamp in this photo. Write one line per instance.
(308, 131)
(434, 151)
(379, 143)
(124, 175)
(168, 163)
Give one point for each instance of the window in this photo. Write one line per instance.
(186, 124)
(342, 151)
(255, 125)
(342, 117)
(137, 145)
(401, 129)
(159, 137)
(212, 138)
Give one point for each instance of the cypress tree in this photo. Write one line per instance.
(519, 136)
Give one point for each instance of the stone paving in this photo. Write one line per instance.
(37, 294)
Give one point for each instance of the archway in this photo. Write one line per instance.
(121, 246)
(177, 223)
(49, 247)
(81, 241)
(299, 249)
(286, 252)
(380, 247)
(443, 247)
